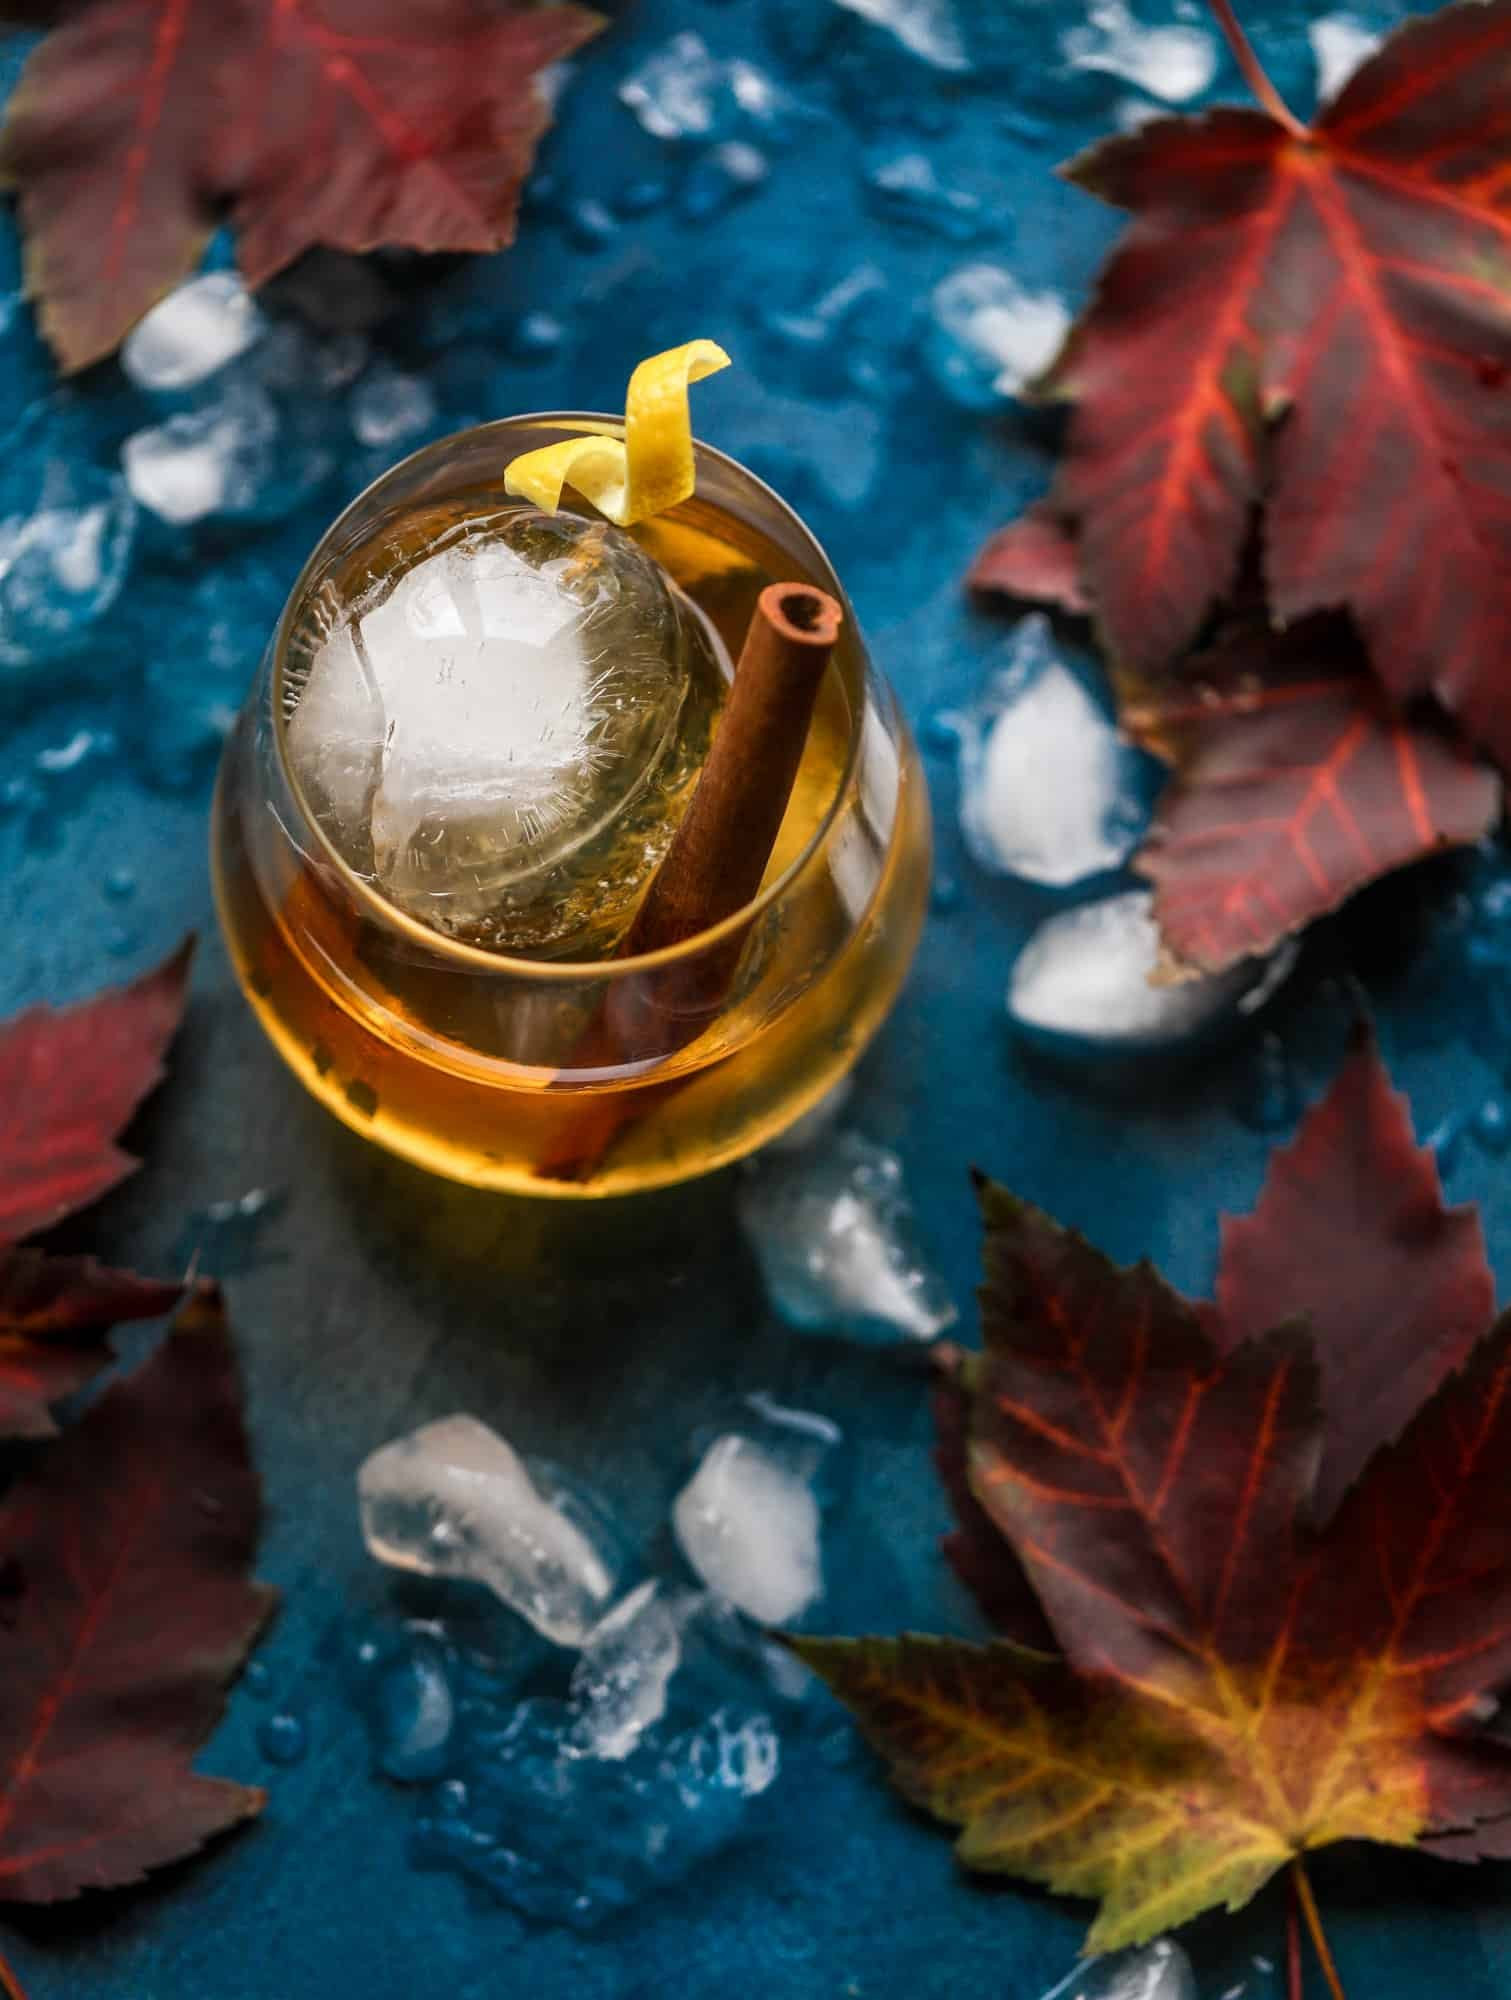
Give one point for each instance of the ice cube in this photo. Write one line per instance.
(493, 708)
(1048, 790)
(193, 332)
(453, 1499)
(1159, 1971)
(413, 1706)
(206, 462)
(627, 1663)
(1340, 43)
(388, 407)
(1174, 63)
(748, 1523)
(832, 1229)
(684, 91)
(61, 569)
(989, 337)
(569, 1839)
(930, 28)
(1084, 977)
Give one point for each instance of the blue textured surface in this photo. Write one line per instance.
(369, 1298)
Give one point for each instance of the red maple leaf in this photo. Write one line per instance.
(54, 1315)
(1035, 558)
(1248, 1666)
(127, 1611)
(1315, 322)
(70, 1078)
(140, 124)
(1296, 783)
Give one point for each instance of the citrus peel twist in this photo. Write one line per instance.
(651, 468)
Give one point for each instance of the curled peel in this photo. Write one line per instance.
(652, 468)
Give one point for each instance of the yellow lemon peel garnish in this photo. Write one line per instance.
(652, 469)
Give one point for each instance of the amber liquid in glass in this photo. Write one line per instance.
(495, 1079)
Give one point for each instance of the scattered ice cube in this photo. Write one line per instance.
(905, 188)
(206, 462)
(61, 569)
(1159, 1971)
(388, 407)
(1085, 977)
(568, 1838)
(833, 1231)
(1340, 44)
(1048, 790)
(684, 91)
(748, 1523)
(989, 337)
(1174, 63)
(491, 709)
(453, 1499)
(413, 1705)
(930, 28)
(193, 332)
(627, 1663)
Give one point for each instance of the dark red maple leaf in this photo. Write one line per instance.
(127, 1611)
(70, 1079)
(1035, 558)
(1296, 783)
(54, 1314)
(1315, 322)
(140, 124)
(1235, 1686)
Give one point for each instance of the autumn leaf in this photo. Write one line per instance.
(1315, 322)
(139, 125)
(1036, 559)
(1238, 1679)
(127, 1610)
(1296, 783)
(1351, 1230)
(54, 1314)
(70, 1078)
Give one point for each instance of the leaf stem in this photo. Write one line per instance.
(1302, 1884)
(1253, 70)
(10, 1985)
(1295, 1985)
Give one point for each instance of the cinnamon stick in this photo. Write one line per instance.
(716, 862)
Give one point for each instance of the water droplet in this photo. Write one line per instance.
(257, 1679)
(945, 895)
(537, 336)
(120, 885)
(283, 1738)
(1492, 1126)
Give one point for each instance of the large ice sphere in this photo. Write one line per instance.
(569, 1838)
(833, 1230)
(989, 336)
(1048, 790)
(620, 1683)
(453, 1499)
(748, 1519)
(1087, 977)
(192, 333)
(495, 728)
(1158, 1971)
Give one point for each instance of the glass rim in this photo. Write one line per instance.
(567, 971)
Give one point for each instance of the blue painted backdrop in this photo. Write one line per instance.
(372, 1298)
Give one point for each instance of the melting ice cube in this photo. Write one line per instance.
(989, 336)
(833, 1230)
(1160, 1971)
(212, 461)
(1048, 790)
(620, 1683)
(1174, 63)
(748, 1519)
(1085, 977)
(388, 407)
(453, 1499)
(930, 28)
(492, 708)
(193, 332)
(1340, 43)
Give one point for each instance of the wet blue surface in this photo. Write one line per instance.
(370, 1299)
